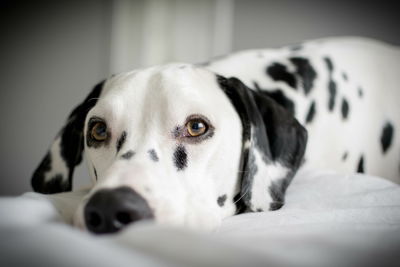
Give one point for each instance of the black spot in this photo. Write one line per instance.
(345, 108)
(310, 113)
(153, 155)
(95, 173)
(345, 155)
(180, 158)
(360, 166)
(360, 92)
(278, 72)
(259, 210)
(332, 90)
(127, 155)
(278, 96)
(121, 141)
(221, 200)
(305, 71)
(329, 64)
(386, 136)
(332, 95)
(344, 75)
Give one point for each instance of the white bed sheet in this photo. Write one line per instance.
(328, 220)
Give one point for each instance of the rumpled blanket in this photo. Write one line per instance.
(329, 219)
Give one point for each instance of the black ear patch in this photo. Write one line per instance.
(54, 183)
(274, 133)
(71, 145)
(287, 138)
(278, 96)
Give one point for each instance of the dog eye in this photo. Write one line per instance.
(196, 127)
(99, 131)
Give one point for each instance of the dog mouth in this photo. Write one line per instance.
(111, 210)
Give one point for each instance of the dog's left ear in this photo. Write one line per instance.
(274, 143)
(54, 174)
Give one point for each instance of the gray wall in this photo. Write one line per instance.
(52, 53)
(271, 23)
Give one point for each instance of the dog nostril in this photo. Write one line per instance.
(94, 219)
(123, 217)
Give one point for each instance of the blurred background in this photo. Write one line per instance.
(53, 52)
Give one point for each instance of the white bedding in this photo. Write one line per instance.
(328, 220)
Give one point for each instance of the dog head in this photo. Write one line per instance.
(177, 144)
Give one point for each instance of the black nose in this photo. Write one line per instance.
(110, 210)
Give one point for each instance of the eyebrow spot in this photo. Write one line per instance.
(121, 141)
(127, 155)
(180, 158)
(153, 155)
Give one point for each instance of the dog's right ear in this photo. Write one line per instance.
(54, 173)
(273, 146)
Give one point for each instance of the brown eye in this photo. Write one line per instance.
(99, 131)
(196, 127)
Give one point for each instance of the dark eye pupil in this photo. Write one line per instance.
(196, 126)
(100, 130)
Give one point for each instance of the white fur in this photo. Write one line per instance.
(374, 66)
(148, 104)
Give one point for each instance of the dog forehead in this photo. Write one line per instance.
(185, 78)
(171, 87)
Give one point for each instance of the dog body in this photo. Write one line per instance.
(345, 91)
(189, 144)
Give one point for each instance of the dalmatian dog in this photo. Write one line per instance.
(189, 145)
